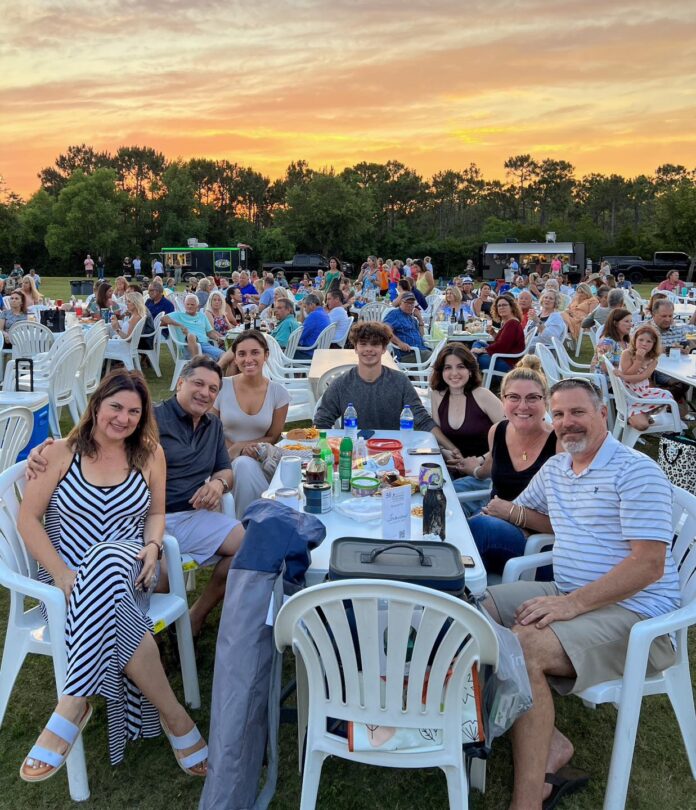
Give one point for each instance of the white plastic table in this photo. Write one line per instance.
(684, 312)
(682, 369)
(457, 528)
(324, 360)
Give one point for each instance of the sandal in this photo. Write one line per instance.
(68, 732)
(565, 781)
(187, 740)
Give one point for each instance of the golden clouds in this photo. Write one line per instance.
(433, 84)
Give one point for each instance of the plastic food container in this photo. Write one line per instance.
(362, 487)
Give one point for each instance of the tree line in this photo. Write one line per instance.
(137, 201)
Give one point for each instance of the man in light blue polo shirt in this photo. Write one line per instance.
(195, 328)
(610, 510)
(285, 314)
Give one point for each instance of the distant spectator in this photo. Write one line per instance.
(671, 283)
(338, 315)
(89, 266)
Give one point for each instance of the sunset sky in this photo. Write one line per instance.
(435, 84)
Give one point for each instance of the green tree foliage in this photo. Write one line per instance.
(327, 213)
(87, 217)
(383, 208)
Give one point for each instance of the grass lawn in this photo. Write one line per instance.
(149, 777)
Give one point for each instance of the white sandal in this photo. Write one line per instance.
(187, 740)
(68, 732)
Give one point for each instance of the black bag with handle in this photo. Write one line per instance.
(54, 319)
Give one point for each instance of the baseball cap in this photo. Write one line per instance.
(467, 280)
(408, 296)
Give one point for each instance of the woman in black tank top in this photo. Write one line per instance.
(520, 445)
(464, 412)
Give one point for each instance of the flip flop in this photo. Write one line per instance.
(68, 732)
(187, 740)
(565, 781)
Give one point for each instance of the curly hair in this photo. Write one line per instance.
(371, 332)
(142, 443)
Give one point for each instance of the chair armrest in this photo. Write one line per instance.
(50, 595)
(175, 573)
(227, 505)
(473, 495)
(519, 565)
(537, 543)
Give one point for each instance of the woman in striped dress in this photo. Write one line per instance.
(102, 497)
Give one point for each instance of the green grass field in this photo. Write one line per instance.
(149, 777)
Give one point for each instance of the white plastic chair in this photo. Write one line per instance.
(182, 353)
(125, 349)
(323, 341)
(329, 376)
(153, 354)
(491, 370)
(30, 338)
(419, 372)
(27, 632)
(666, 421)
(675, 682)
(59, 381)
(372, 312)
(331, 627)
(90, 372)
(16, 426)
(292, 344)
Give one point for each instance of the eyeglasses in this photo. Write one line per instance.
(530, 399)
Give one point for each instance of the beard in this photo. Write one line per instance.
(574, 443)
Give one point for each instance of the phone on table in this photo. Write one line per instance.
(424, 451)
(366, 434)
(467, 561)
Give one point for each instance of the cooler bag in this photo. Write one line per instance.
(432, 565)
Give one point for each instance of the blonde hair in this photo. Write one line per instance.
(138, 302)
(203, 284)
(456, 292)
(527, 370)
(35, 294)
(214, 294)
(585, 289)
(120, 280)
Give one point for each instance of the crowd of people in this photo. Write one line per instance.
(169, 465)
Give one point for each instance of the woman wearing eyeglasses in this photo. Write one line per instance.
(520, 445)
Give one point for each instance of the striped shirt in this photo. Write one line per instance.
(622, 496)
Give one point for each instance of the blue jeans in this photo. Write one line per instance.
(499, 541)
(471, 484)
(484, 361)
(213, 351)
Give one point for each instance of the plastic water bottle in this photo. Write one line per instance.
(350, 423)
(406, 426)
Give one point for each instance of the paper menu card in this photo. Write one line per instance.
(396, 513)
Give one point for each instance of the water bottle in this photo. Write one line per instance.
(350, 423)
(406, 426)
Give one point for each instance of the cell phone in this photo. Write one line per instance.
(366, 434)
(467, 561)
(424, 451)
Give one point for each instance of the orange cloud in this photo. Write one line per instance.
(609, 88)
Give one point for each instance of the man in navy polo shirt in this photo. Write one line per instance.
(156, 301)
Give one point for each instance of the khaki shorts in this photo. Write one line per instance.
(200, 532)
(595, 642)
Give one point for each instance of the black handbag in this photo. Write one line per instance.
(677, 458)
(54, 319)
(24, 361)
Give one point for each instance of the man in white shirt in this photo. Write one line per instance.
(137, 265)
(338, 315)
(610, 509)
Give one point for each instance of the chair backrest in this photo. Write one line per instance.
(529, 337)
(12, 550)
(562, 355)
(16, 425)
(433, 301)
(548, 363)
(326, 337)
(360, 640)
(619, 392)
(72, 334)
(96, 340)
(332, 374)
(293, 343)
(30, 338)
(62, 375)
(372, 312)
(135, 335)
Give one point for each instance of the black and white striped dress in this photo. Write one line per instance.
(98, 531)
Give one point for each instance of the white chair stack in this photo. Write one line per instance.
(126, 349)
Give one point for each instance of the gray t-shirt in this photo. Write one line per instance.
(378, 404)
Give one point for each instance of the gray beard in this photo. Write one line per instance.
(574, 447)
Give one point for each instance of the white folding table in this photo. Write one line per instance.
(457, 528)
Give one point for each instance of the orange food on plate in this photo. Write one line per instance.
(303, 434)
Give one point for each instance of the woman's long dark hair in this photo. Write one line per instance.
(611, 326)
(142, 443)
(437, 382)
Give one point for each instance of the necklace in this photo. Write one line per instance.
(534, 444)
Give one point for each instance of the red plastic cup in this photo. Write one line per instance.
(78, 311)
